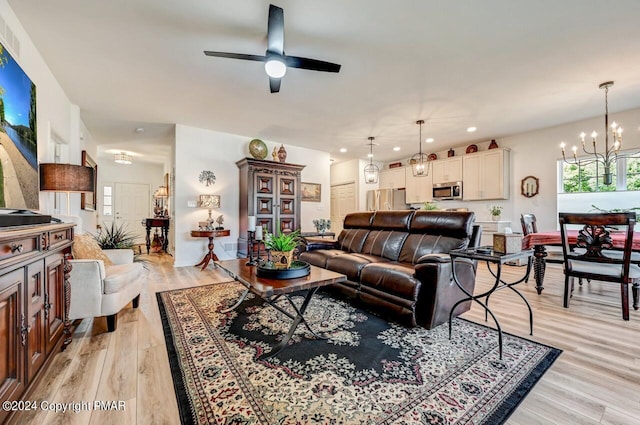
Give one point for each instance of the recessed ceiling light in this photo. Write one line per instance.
(471, 129)
(396, 149)
(343, 150)
(429, 140)
(139, 130)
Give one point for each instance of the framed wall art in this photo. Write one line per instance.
(311, 192)
(88, 200)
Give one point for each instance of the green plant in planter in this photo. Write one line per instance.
(495, 210)
(283, 242)
(115, 237)
(429, 206)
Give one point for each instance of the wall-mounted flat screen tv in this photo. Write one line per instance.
(18, 136)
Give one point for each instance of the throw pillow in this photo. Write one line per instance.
(85, 247)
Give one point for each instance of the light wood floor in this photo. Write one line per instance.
(596, 380)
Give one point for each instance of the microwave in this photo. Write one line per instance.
(451, 190)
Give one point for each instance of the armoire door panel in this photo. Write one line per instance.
(264, 184)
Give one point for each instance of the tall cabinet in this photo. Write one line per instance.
(270, 191)
(34, 299)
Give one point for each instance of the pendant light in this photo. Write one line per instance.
(371, 170)
(419, 161)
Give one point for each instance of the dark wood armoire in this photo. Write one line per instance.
(270, 191)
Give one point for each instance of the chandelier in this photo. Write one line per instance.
(611, 153)
(371, 170)
(122, 158)
(420, 161)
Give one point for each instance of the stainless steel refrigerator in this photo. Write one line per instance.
(386, 199)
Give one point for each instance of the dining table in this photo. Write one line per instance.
(539, 241)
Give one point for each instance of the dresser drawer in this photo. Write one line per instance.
(18, 249)
(59, 237)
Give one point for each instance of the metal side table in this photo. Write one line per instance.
(489, 256)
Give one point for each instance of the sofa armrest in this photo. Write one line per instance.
(439, 292)
(119, 256)
(434, 258)
(313, 245)
(87, 287)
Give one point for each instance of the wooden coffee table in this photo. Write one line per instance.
(270, 290)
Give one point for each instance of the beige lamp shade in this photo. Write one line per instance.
(209, 201)
(161, 192)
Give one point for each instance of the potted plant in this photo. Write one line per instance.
(495, 211)
(322, 225)
(115, 237)
(430, 206)
(281, 247)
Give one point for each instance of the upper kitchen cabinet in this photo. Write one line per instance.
(392, 178)
(447, 170)
(418, 189)
(486, 175)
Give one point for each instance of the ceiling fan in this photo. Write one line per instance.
(276, 62)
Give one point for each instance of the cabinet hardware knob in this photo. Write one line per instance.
(15, 248)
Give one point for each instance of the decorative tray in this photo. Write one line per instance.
(295, 270)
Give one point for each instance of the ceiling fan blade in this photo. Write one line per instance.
(258, 58)
(274, 84)
(275, 30)
(312, 64)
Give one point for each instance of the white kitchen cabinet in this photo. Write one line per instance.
(486, 175)
(447, 170)
(418, 189)
(393, 178)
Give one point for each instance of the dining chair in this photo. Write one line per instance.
(597, 261)
(528, 222)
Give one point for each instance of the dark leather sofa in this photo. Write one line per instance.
(397, 263)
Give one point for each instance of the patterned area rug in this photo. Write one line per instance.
(368, 371)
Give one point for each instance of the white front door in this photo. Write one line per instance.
(343, 201)
(131, 207)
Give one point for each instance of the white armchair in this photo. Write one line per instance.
(99, 290)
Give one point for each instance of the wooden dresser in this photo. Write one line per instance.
(34, 300)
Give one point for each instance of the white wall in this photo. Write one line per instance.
(199, 149)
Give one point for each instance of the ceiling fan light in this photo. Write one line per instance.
(275, 68)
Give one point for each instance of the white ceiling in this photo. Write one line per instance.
(503, 66)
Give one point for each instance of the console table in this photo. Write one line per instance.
(158, 222)
(211, 234)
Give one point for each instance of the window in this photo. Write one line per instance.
(576, 179)
(107, 200)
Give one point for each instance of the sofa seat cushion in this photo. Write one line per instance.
(395, 279)
(350, 264)
(319, 257)
(121, 275)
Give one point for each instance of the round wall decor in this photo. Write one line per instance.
(472, 148)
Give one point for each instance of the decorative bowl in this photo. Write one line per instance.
(296, 269)
(258, 149)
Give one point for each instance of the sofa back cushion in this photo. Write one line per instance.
(358, 220)
(392, 220)
(352, 240)
(384, 243)
(436, 232)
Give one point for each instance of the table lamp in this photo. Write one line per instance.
(66, 178)
(210, 202)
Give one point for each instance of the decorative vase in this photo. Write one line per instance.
(495, 217)
(451, 153)
(281, 259)
(493, 144)
(282, 154)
